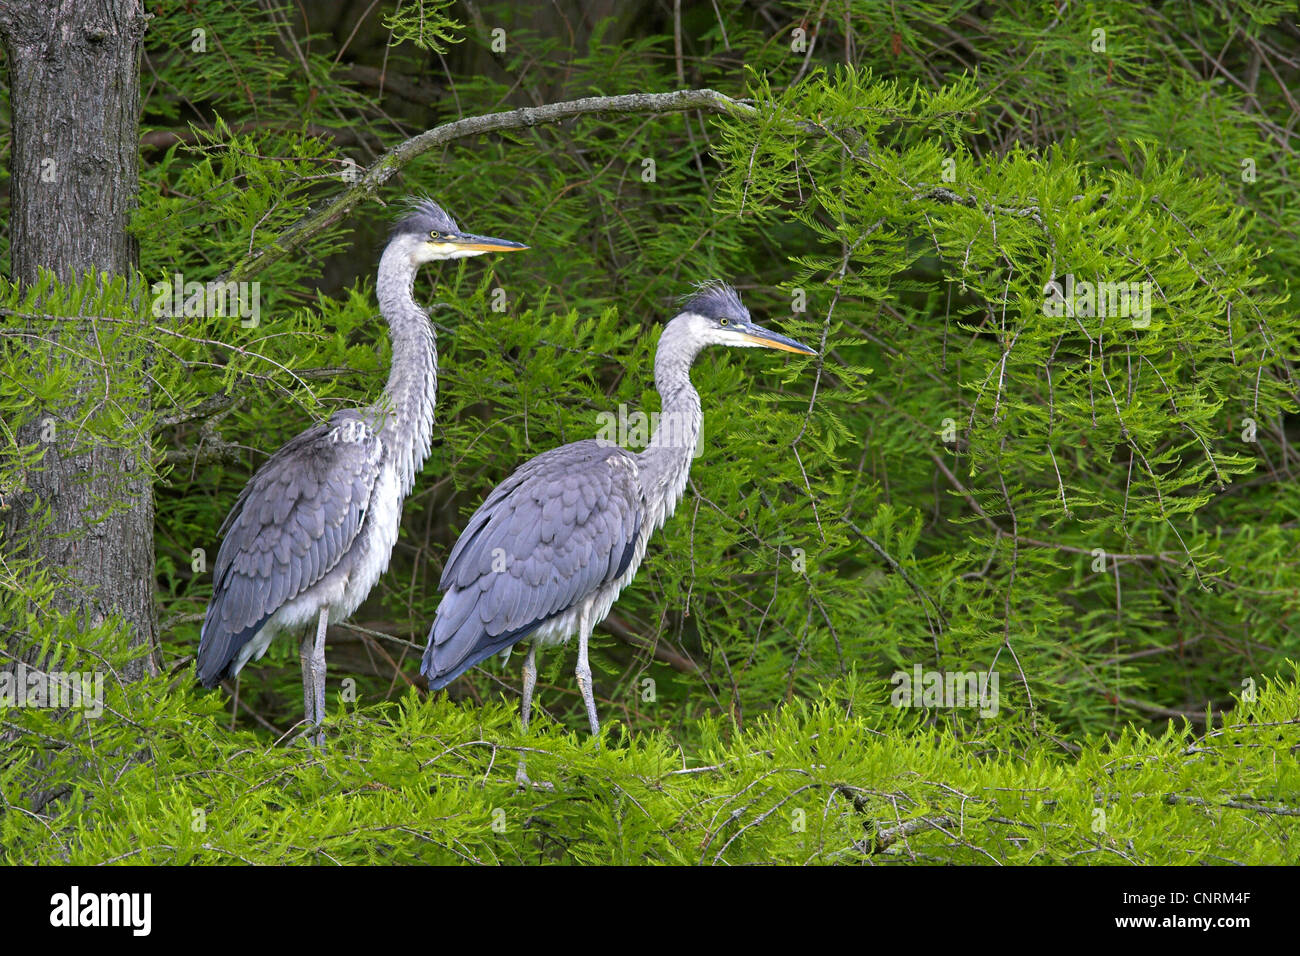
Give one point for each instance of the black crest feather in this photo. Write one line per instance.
(421, 216)
(715, 299)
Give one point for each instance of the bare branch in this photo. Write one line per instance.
(401, 155)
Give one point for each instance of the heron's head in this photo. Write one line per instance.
(715, 315)
(427, 234)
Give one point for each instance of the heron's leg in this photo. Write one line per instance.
(530, 682)
(583, 671)
(318, 669)
(308, 681)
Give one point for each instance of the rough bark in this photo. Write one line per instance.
(73, 73)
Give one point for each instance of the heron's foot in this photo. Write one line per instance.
(313, 735)
(589, 700)
(523, 783)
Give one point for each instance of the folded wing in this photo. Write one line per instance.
(293, 523)
(554, 532)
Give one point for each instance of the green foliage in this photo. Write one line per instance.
(424, 25)
(1037, 400)
(1100, 509)
(162, 779)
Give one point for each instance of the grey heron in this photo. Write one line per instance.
(315, 526)
(548, 551)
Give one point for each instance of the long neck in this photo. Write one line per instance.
(666, 461)
(408, 399)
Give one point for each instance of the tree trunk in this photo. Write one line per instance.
(73, 70)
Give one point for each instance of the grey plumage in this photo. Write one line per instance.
(559, 528)
(295, 520)
(314, 528)
(548, 551)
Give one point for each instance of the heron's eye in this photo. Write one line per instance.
(722, 322)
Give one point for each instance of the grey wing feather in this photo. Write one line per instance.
(562, 526)
(291, 525)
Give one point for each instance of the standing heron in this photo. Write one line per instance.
(547, 553)
(315, 526)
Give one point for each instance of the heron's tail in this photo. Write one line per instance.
(220, 649)
(458, 639)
